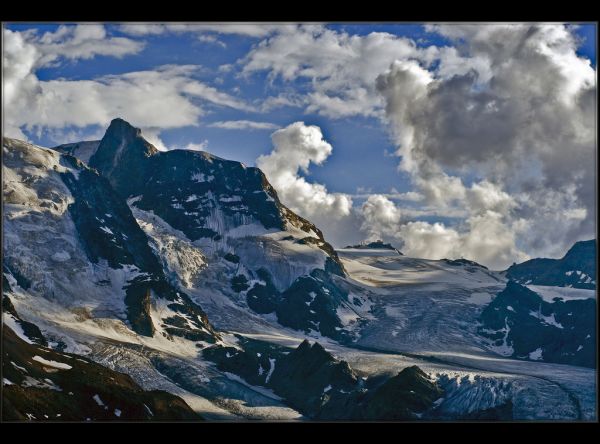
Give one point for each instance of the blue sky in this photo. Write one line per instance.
(359, 159)
(238, 70)
(360, 144)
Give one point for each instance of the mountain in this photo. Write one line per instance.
(233, 215)
(576, 269)
(525, 324)
(183, 277)
(71, 234)
(327, 388)
(375, 245)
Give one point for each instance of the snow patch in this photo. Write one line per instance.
(479, 298)
(231, 199)
(271, 369)
(10, 321)
(106, 230)
(536, 355)
(548, 293)
(546, 319)
(43, 384)
(263, 391)
(54, 364)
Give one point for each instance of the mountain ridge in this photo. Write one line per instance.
(577, 268)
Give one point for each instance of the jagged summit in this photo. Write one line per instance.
(121, 128)
(120, 155)
(122, 131)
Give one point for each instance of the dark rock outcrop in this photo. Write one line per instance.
(43, 385)
(378, 245)
(323, 387)
(576, 269)
(402, 397)
(559, 331)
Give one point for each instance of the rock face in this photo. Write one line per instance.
(84, 226)
(576, 269)
(320, 294)
(195, 192)
(104, 222)
(229, 210)
(325, 388)
(43, 385)
(109, 231)
(521, 324)
(404, 396)
(315, 373)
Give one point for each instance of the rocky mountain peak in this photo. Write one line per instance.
(199, 194)
(121, 155)
(577, 268)
(582, 248)
(120, 128)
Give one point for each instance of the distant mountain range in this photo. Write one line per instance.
(378, 244)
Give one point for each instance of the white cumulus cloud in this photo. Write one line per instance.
(295, 147)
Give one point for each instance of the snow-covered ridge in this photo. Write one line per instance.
(386, 268)
(565, 293)
(81, 150)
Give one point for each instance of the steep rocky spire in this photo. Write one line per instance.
(121, 156)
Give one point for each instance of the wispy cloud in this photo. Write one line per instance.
(141, 97)
(243, 125)
(208, 38)
(256, 30)
(202, 146)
